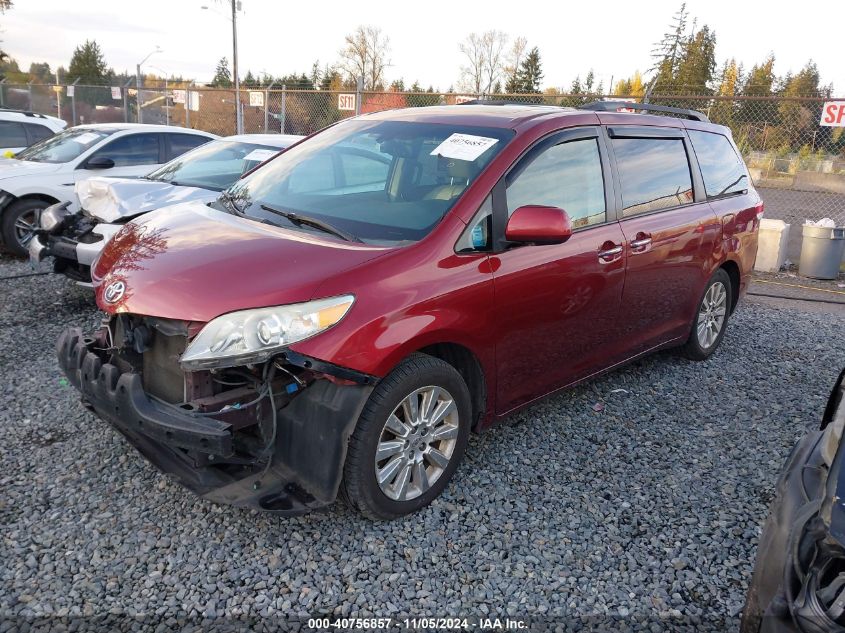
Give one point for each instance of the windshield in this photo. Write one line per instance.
(64, 146)
(215, 165)
(383, 182)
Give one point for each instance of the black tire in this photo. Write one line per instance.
(693, 348)
(360, 487)
(21, 208)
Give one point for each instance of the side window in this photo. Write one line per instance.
(476, 237)
(181, 143)
(655, 174)
(568, 176)
(12, 134)
(723, 171)
(37, 132)
(133, 149)
(362, 171)
(313, 175)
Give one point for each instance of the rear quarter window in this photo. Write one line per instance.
(12, 134)
(721, 168)
(654, 173)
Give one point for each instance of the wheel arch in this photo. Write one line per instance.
(469, 367)
(732, 268)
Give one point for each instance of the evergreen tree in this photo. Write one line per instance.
(697, 63)
(222, 75)
(40, 73)
(760, 82)
(88, 65)
(249, 80)
(667, 53)
(531, 72)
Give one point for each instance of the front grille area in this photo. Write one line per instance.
(152, 347)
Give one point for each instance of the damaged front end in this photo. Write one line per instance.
(270, 435)
(799, 576)
(73, 240)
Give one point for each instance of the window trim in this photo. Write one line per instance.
(499, 190)
(737, 155)
(647, 132)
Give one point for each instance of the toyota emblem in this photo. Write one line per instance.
(114, 292)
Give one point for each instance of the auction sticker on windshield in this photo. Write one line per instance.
(261, 155)
(87, 137)
(464, 146)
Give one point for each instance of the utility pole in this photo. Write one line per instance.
(238, 114)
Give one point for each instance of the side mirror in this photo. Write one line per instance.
(99, 162)
(535, 223)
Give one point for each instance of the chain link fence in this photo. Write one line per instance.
(797, 165)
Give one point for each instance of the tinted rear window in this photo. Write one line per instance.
(722, 170)
(655, 174)
(38, 132)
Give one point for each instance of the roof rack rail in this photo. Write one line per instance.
(503, 102)
(37, 115)
(613, 106)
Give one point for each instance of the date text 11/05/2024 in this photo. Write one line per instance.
(423, 623)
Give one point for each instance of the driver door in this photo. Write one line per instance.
(133, 155)
(557, 306)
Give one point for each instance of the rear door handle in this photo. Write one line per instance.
(609, 252)
(640, 242)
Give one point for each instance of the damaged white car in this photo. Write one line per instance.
(74, 239)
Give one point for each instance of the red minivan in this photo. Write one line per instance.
(339, 320)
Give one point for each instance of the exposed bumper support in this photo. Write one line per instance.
(307, 459)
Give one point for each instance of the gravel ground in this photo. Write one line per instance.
(642, 515)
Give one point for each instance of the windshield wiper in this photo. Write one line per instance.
(299, 220)
(229, 202)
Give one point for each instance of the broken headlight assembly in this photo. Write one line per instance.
(253, 336)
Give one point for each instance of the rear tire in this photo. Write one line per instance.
(15, 222)
(418, 420)
(711, 318)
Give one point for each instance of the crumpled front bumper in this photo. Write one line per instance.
(59, 237)
(307, 459)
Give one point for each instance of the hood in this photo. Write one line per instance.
(12, 168)
(193, 263)
(110, 199)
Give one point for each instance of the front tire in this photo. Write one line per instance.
(711, 318)
(409, 439)
(19, 222)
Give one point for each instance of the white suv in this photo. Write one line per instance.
(20, 129)
(45, 173)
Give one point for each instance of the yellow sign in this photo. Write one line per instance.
(58, 89)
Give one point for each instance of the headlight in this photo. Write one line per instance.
(54, 215)
(253, 336)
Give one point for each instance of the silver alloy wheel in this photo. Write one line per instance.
(26, 224)
(711, 315)
(416, 443)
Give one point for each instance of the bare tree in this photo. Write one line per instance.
(514, 58)
(366, 55)
(494, 45)
(472, 74)
(484, 61)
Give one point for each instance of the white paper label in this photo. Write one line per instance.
(88, 137)
(261, 155)
(464, 146)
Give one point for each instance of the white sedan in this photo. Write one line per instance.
(45, 173)
(75, 240)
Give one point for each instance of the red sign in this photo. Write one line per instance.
(833, 114)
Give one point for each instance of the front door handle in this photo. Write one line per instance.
(609, 252)
(640, 242)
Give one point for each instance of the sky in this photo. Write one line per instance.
(613, 37)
